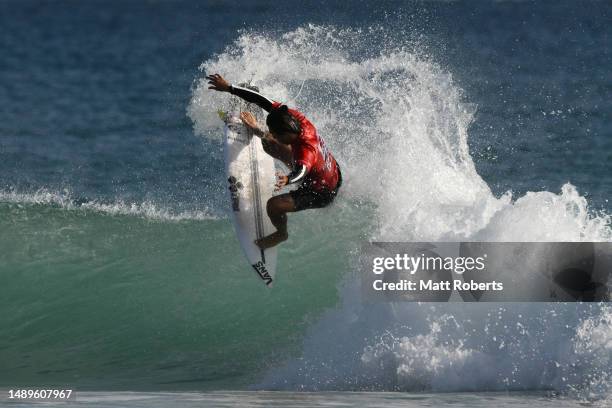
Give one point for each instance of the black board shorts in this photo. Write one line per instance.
(305, 198)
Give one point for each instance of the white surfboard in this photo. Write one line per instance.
(250, 175)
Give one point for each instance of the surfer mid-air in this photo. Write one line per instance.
(293, 140)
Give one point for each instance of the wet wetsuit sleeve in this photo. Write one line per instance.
(252, 97)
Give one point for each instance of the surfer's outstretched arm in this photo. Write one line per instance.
(252, 96)
(218, 83)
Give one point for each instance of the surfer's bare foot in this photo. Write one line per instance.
(271, 240)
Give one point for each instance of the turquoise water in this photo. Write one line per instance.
(120, 301)
(451, 120)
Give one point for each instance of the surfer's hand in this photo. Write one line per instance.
(281, 181)
(217, 83)
(249, 119)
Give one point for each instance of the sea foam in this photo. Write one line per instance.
(65, 200)
(398, 125)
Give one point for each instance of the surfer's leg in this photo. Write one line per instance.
(277, 208)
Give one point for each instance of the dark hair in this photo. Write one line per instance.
(281, 121)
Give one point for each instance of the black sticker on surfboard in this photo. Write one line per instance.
(263, 273)
(234, 186)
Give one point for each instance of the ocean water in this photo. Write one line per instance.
(480, 120)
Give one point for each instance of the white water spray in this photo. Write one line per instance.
(398, 125)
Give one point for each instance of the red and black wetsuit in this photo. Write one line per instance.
(314, 167)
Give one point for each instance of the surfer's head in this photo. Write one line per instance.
(285, 128)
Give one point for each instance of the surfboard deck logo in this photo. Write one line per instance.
(261, 270)
(234, 186)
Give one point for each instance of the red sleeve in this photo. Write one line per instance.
(306, 155)
(276, 105)
(307, 152)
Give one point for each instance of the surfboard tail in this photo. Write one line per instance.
(262, 270)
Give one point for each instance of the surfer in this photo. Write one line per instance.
(292, 139)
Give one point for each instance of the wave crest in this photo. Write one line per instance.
(65, 200)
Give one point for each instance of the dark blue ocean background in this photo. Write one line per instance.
(94, 93)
